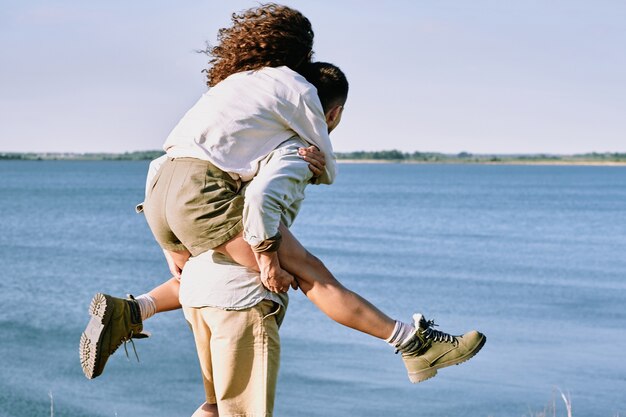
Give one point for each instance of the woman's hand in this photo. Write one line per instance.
(174, 269)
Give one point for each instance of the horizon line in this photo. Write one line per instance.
(463, 153)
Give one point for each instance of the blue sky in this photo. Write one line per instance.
(479, 76)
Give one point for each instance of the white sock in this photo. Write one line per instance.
(401, 332)
(147, 306)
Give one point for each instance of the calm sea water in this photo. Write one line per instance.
(535, 257)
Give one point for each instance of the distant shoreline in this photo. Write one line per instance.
(362, 157)
(509, 162)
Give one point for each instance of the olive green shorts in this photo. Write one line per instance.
(191, 204)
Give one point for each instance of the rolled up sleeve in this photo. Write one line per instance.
(280, 184)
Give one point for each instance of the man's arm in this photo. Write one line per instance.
(274, 195)
(279, 185)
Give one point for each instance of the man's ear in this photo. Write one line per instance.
(333, 114)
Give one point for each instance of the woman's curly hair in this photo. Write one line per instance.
(270, 35)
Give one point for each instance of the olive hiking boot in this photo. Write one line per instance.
(113, 321)
(428, 349)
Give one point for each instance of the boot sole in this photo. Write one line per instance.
(91, 339)
(421, 376)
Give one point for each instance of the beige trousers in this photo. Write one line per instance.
(239, 353)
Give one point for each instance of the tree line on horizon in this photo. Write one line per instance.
(399, 156)
(67, 156)
(385, 155)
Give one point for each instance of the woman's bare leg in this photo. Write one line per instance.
(166, 295)
(318, 284)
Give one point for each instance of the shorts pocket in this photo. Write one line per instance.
(155, 179)
(270, 308)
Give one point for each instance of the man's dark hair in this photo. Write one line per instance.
(330, 81)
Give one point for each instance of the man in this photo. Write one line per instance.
(234, 318)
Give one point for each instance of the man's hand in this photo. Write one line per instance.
(175, 270)
(315, 158)
(274, 278)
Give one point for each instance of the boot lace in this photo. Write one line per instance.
(125, 342)
(437, 335)
(415, 344)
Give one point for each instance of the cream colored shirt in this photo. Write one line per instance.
(238, 122)
(214, 280)
(276, 193)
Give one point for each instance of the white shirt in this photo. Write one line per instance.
(243, 118)
(214, 280)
